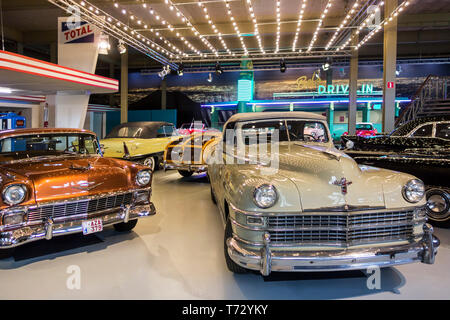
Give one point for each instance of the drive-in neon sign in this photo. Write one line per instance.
(343, 89)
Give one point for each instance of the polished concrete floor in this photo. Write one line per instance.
(178, 254)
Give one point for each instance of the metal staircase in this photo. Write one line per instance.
(431, 99)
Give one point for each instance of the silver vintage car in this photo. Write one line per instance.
(290, 201)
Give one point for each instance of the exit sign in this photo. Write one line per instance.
(390, 85)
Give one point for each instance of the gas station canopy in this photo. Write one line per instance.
(20, 75)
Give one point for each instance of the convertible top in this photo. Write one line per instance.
(248, 116)
(149, 128)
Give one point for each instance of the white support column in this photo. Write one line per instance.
(389, 67)
(353, 90)
(124, 87)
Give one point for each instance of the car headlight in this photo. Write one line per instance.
(265, 196)
(143, 177)
(14, 194)
(413, 191)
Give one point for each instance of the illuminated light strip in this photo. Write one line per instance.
(139, 22)
(110, 26)
(385, 22)
(127, 28)
(171, 28)
(365, 23)
(324, 14)
(277, 41)
(255, 26)
(343, 24)
(185, 20)
(236, 28)
(213, 26)
(299, 24)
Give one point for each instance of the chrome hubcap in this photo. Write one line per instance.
(436, 204)
(150, 162)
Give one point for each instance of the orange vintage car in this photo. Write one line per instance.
(186, 154)
(56, 181)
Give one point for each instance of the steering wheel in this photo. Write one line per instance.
(309, 137)
(70, 147)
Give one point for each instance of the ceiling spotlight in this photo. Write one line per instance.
(165, 71)
(209, 78)
(180, 69)
(121, 47)
(282, 66)
(219, 70)
(103, 44)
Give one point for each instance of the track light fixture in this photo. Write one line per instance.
(282, 66)
(180, 70)
(219, 70)
(103, 44)
(165, 71)
(121, 47)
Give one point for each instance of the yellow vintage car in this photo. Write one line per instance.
(186, 153)
(142, 142)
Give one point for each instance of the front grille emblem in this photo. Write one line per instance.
(343, 183)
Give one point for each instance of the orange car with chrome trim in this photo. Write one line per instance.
(186, 154)
(56, 181)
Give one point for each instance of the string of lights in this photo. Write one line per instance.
(188, 23)
(365, 23)
(277, 41)
(343, 24)
(384, 23)
(255, 26)
(114, 27)
(324, 14)
(139, 21)
(299, 25)
(235, 26)
(213, 26)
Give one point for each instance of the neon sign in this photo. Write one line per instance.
(343, 89)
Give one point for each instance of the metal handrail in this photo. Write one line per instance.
(423, 94)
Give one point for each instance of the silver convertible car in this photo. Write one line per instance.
(290, 201)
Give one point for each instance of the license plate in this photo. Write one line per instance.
(91, 226)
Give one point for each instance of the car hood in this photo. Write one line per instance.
(70, 177)
(308, 176)
(317, 171)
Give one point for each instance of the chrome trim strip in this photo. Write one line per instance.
(50, 229)
(315, 212)
(266, 260)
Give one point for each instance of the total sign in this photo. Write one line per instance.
(84, 33)
(77, 43)
(80, 32)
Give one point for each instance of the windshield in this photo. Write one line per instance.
(364, 127)
(38, 145)
(287, 130)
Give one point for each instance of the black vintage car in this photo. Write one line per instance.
(420, 147)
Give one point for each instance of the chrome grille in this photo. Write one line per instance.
(350, 229)
(79, 208)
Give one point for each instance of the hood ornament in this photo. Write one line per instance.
(87, 186)
(343, 183)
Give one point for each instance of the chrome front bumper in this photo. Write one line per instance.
(51, 228)
(266, 260)
(197, 168)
